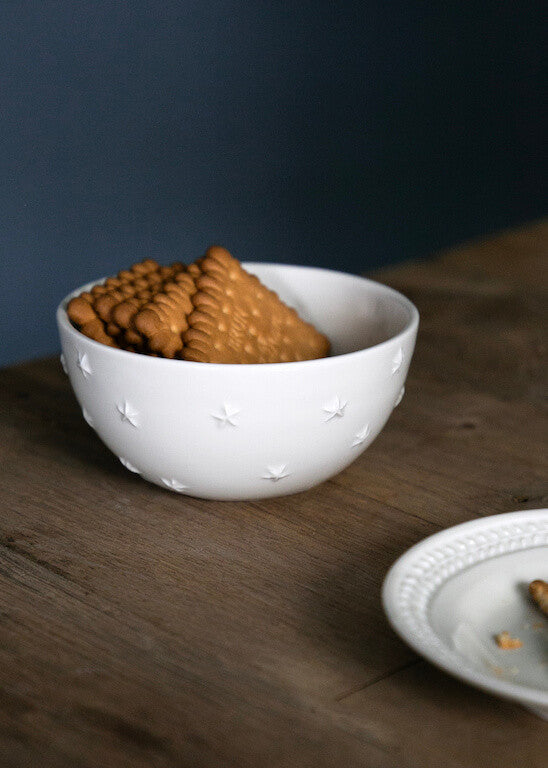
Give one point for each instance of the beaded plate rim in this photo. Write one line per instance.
(414, 579)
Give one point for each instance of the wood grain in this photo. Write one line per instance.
(143, 628)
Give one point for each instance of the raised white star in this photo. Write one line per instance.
(87, 417)
(276, 472)
(361, 436)
(397, 361)
(174, 484)
(129, 414)
(63, 363)
(227, 415)
(128, 465)
(83, 365)
(400, 396)
(335, 408)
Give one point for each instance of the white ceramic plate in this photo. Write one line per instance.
(449, 595)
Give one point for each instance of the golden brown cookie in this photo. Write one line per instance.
(164, 318)
(538, 590)
(86, 319)
(125, 312)
(96, 313)
(236, 319)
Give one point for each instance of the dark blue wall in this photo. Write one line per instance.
(345, 134)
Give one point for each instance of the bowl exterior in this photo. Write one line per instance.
(235, 432)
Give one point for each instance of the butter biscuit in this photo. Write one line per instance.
(164, 318)
(236, 319)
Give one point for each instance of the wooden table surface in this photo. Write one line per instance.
(142, 628)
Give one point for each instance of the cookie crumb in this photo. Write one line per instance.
(505, 641)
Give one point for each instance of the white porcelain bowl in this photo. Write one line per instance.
(253, 431)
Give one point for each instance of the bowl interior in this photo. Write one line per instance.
(355, 313)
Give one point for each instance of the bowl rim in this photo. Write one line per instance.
(409, 328)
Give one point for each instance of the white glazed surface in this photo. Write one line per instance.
(253, 431)
(449, 595)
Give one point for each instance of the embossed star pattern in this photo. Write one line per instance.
(335, 408)
(129, 414)
(173, 484)
(276, 473)
(397, 361)
(227, 415)
(128, 465)
(361, 436)
(83, 365)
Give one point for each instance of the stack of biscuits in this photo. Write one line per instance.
(211, 311)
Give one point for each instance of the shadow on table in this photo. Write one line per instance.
(39, 403)
(346, 614)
